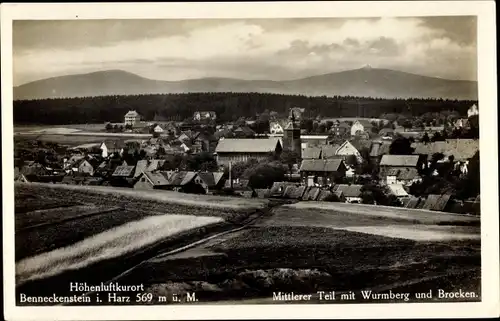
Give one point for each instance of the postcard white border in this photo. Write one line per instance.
(485, 10)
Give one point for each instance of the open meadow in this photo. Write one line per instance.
(306, 249)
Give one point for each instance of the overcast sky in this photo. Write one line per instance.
(274, 49)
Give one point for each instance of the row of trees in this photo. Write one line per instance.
(228, 106)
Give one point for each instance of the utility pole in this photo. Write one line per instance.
(230, 176)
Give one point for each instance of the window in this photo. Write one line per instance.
(143, 179)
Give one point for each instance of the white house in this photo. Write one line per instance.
(275, 128)
(360, 126)
(201, 115)
(110, 147)
(132, 117)
(347, 149)
(473, 111)
(158, 129)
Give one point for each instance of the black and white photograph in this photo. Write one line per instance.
(247, 159)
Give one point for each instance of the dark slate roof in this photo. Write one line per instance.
(279, 188)
(294, 192)
(329, 151)
(311, 194)
(311, 153)
(462, 149)
(321, 165)
(436, 202)
(352, 190)
(323, 194)
(211, 179)
(157, 178)
(399, 160)
(181, 178)
(123, 171)
(403, 174)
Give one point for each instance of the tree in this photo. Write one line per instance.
(401, 146)
(407, 124)
(108, 127)
(374, 194)
(161, 151)
(307, 124)
(437, 137)
(129, 126)
(202, 161)
(289, 158)
(321, 128)
(352, 160)
(425, 138)
(263, 175)
(332, 198)
(328, 125)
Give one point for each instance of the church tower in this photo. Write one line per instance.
(291, 135)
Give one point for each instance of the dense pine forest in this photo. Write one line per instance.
(228, 106)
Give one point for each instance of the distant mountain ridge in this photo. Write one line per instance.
(367, 82)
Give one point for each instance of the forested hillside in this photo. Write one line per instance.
(228, 106)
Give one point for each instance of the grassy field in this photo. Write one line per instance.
(216, 205)
(69, 140)
(85, 127)
(415, 216)
(111, 243)
(99, 234)
(308, 249)
(259, 261)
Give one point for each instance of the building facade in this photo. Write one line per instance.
(132, 117)
(241, 150)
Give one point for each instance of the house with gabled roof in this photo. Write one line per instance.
(88, 166)
(348, 149)
(213, 180)
(132, 117)
(110, 147)
(460, 149)
(436, 202)
(241, 150)
(340, 129)
(348, 193)
(186, 182)
(378, 149)
(322, 172)
(361, 126)
(152, 180)
(401, 169)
